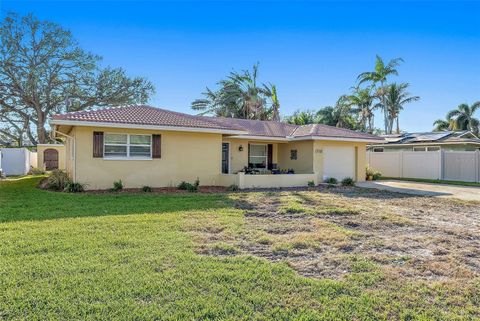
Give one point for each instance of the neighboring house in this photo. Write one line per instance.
(428, 142)
(143, 145)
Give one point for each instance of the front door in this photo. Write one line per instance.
(225, 160)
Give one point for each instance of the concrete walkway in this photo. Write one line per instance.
(468, 193)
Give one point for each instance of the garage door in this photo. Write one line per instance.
(339, 162)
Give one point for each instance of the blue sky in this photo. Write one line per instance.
(312, 51)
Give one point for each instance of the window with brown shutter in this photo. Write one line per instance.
(156, 146)
(97, 144)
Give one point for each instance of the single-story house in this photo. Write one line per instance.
(144, 145)
(428, 142)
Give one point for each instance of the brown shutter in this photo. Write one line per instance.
(97, 144)
(156, 146)
(269, 156)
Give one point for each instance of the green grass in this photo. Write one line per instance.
(435, 181)
(133, 257)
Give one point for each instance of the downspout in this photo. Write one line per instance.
(74, 152)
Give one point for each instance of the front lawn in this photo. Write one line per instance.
(334, 254)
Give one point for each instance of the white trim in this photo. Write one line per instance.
(149, 127)
(292, 138)
(266, 155)
(342, 139)
(263, 138)
(51, 145)
(127, 145)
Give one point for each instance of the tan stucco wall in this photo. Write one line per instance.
(61, 155)
(360, 157)
(185, 156)
(304, 162)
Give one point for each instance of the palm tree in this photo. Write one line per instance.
(271, 92)
(363, 100)
(444, 125)
(380, 76)
(239, 95)
(396, 97)
(464, 117)
(302, 118)
(339, 116)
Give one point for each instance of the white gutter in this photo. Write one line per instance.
(342, 139)
(252, 137)
(149, 127)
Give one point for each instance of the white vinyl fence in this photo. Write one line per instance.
(17, 161)
(447, 165)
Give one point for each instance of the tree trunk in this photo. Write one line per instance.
(398, 126)
(41, 132)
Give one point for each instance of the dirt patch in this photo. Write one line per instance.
(326, 233)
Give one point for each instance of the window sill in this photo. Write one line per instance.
(127, 158)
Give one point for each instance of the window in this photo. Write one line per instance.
(418, 149)
(127, 146)
(378, 150)
(433, 149)
(258, 156)
(293, 154)
(426, 149)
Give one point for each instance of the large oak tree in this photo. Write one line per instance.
(43, 71)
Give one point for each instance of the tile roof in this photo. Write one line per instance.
(258, 127)
(330, 131)
(147, 115)
(141, 115)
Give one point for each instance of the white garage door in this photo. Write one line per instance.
(338, 162)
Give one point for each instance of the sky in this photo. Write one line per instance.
(313, 50)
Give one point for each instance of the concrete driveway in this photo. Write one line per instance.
(468, 193)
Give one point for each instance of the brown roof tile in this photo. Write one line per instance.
(147, 115)
(141, 115)
(330, 131)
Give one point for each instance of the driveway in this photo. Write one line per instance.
(468, 193)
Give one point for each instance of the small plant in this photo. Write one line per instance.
(233, 188)
(372, 174)
(194, 187)
(348, 181)
(147, 189)
(183, 186)
(36, 171)
(331, 181)
(311, 184)
(74, 187)
(117, 186)
(57, 181)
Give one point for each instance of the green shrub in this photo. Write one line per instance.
(348, 181)
(57, 181)
(74, 187)
(194, 187)
(311, 184)
(188, 186)
(331, 181)
(183, 186)
(147, 189)
(233, 188)
(117, 186)
(36, 171)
